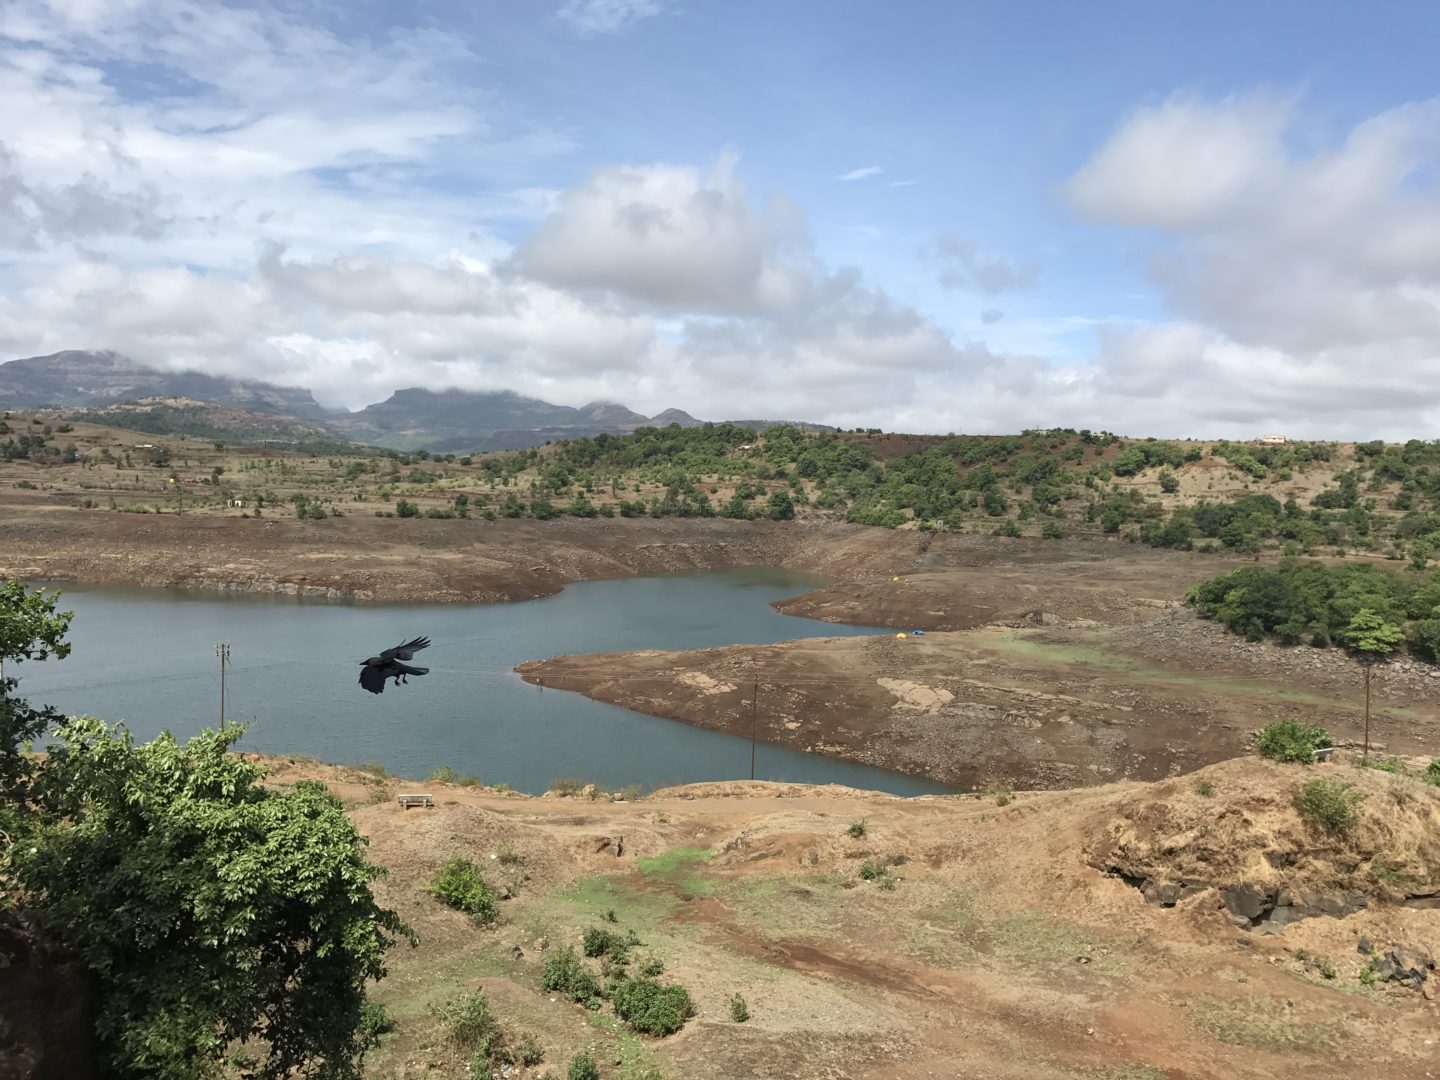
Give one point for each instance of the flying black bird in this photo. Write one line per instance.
(388, 665)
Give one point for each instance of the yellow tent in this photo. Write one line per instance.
(901, 635)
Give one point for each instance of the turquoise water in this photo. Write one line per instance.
(147, 658)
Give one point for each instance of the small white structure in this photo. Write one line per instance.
(237, 502)
(1271, 440)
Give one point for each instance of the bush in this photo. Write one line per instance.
(598, 941)
(856, 831)
(870, 870)
(1329, 805)
(1432, 773)
(739, 1011)
(582, 1067)
(1052, 530)
(652, 1008)
(1290, 740)
(468, 1020)
(563, 972)
(459, 884)
(406, 509)
(529, 1051)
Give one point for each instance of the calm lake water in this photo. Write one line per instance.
(147, 658)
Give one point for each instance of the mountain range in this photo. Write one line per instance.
(105, 385)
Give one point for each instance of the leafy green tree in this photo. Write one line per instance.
(1169, 482)
(1373, 640)
(781, 506)
(30, 629)
(207, 908)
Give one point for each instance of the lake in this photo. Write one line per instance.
(147, 658)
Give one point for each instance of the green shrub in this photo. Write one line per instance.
(1432, 773)
(1052, 530)
(652, 1008)
(446, 775)
(1204, 788)
(563, 972)
(582, 1067)
(856, 831)
(1329, 805)
(598, 941)
(1290, 740)
(739, 1011)
(652, 967)
(468, 1020)
(528, 1050)
(459, 884)
(870, 870)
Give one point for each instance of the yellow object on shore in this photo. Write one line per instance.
(901, 635)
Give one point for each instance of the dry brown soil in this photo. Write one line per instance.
(1000, 952)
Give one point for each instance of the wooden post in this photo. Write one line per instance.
(1366, 754)
(223, 652)
(754, 700)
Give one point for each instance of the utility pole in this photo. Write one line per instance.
(223, 652)
(754, 701)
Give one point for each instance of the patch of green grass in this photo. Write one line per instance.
(1263, 1023)
(1037, 938)
(1082, 656)
(678, 867)
(1204, 788)
(596, 896)
(446, 775)
(668, 862)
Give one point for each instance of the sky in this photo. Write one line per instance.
(1181, 219)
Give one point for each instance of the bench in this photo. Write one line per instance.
(1323, 753)
(407, 801)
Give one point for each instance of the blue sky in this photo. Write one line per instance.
(1157, 218)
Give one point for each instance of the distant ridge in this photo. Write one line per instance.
(101, 381)
(80, 379)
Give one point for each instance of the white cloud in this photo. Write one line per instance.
(595, 17)
(674, 238)
(863, 173)
(902, 183)
(1306, 287)
(965, 267)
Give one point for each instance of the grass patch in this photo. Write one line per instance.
(677, 867)
(446, 775)
(668, 862)
(1262, 1023)
(1040, 652)
(1035, 938)
(1204, 788)
(856, 831)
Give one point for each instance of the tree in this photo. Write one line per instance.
(1169, 482)
(30, 629)
(207, 908)
(781, 507)
(1372, 639)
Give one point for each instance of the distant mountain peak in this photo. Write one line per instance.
(78, 378)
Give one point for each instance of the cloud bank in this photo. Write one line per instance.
(249, 193)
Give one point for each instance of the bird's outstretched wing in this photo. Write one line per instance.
(373, 679)
(406, 669)
(408, 650)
